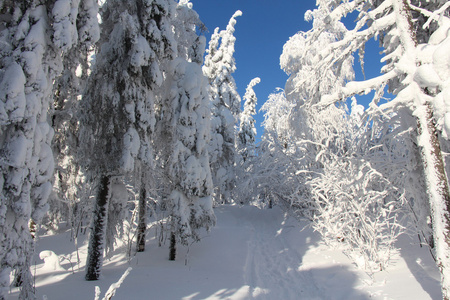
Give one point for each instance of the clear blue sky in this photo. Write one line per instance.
(261, 32)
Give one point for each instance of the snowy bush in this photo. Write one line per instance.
(412, 71)
(357, 206)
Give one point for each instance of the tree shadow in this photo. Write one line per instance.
(421, 265)
(273, 265)
(250, 254)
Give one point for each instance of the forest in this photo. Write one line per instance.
(118, 119)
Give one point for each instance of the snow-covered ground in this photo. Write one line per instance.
(250, 254)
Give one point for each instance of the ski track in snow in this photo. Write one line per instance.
(250, 254)
(272, 266)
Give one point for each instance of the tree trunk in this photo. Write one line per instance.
(27, 288)
(433, 162)
(438, 193)
(142, 225)
(98, 231)
(173, 246)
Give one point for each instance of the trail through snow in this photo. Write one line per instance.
(250, 254)
(272, 266)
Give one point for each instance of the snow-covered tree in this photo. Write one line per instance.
(247, 130)
(322, 147)
(417, 74)
(276, 123)
(226, 102)
(246, 147)
(296, 133)
(190, 200)
(68, 201)
(273, 179)
(359, 197)
(184, 133)
(35, 36)
(118, 117)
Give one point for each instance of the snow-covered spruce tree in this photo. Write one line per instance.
(68, 201)
(418, 76)
(226, 102)
(247, 130)
(158, 18)
(35, 35)
(246, 147)
(117, 109)
(184, 133)
(190, 200)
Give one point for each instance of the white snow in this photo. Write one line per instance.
(51, 261)
(250, 254)
(131, 146)
(64, 24)
(141, 52)
(16, 153)
(441, 58)
(12, 94)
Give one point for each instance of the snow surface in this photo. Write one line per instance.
(250, 254)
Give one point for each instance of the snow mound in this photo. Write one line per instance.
(51, 261)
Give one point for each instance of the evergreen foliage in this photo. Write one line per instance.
(129, 109)
(226, 102)
(35, 36)
(247, 130)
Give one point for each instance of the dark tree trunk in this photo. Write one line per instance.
(142, 225)
(173, 246)
(97, 237)
(26, 285)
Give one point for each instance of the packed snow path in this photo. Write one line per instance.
(271, 267)
(250, 254)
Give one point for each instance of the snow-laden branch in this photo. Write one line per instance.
(432, 16)
(345, 8)
(353, 39)
(113, 287)
(357, 87)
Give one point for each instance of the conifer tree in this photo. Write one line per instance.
(247, 184)
(35, 36)
(219, 67)
(68, 202)
(247, 130)
(184, 133)
(118, 107)
(190, 201)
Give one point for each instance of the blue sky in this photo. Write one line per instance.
(261, 32)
